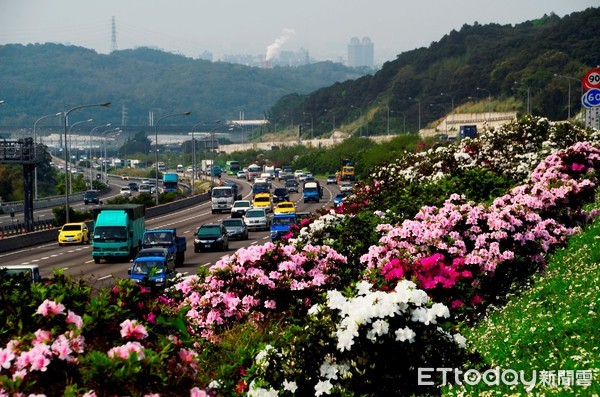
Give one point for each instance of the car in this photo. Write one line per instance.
(337, 200)
(302, 177)
(125, 191)
(346, 187)
(145, 181)
(189, 169)
(134, 186)
(281, 194)
(331, 179)
(158, 251)
(291, 185)
(91, 197)
(263, 200)
(29, 271)
(74, 233)
(211, 236)
(240, 207)
(297, 173)
(124, 178)
(242, 175)
(236, 228)
(257, 218)
(285, 207)
(145, 189)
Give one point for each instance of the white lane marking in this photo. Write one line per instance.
(105, 277)
(90, 261)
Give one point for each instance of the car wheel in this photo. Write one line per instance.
(96, 260)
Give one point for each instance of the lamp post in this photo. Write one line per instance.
(194, 156)
(452, 111)
(156, 144)
(569, 78)
(90, 154)
(69, 146)
(212, 151)
(489, 102)
(65, 120)
(312, 130)
(419, 102)
(528, 96)
(35, 147)
(403, 120)
(445, 112)
(111, 130)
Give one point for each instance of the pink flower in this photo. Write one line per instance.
(50, 308)
(42, 336)
(127, 350)
(196, 392)
(476, 300)
(6, 357)
(457, 303)
(133, 330)
(73, 318)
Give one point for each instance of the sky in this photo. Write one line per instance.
(324, 28)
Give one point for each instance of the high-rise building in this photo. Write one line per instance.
(360, 52)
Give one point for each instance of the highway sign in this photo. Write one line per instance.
(591, 98)
(591, 79)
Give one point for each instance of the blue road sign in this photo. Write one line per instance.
(591, 98)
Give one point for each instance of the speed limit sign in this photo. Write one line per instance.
(591, 79)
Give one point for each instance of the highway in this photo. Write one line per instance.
(77, 260)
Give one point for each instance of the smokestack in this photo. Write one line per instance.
(273, 48)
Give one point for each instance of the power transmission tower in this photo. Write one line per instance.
(113, 41)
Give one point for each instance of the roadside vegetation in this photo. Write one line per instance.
(355, 300)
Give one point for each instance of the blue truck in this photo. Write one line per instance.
(281, 224)
(312, 191)
(166, 238)
(153, 266)
(118, 231)
(170, 182)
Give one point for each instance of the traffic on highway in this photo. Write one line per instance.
(77, 260)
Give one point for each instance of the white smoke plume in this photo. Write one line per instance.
(281, 40)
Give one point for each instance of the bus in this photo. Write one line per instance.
(233, 166)
(170, 182)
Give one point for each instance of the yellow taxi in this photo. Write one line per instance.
(74, 233)
(285, 207)
(263, 200)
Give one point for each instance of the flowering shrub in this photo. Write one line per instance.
(256, 282)
(369, 343)
(464, 251)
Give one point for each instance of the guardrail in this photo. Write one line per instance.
(29, 239)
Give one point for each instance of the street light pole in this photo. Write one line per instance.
(156, 144)
(35, 147)
(65, 119)
(419, 102)
(105, 176)
(452, 111)
(69, 145)
(194, 157)
(489, 102)
(569, 78)
(312, 130)
(90, 154)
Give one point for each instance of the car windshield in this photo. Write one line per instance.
(262, 200)
(255, 214)
(91, 194)
(284, 206)
(152, 252)
(218, 193)
(71, 228)
(243, 204)
(209, 231)
(282, 221)
(281, 191)
(155, 238)
(233, 222)
(110, 234)
(147, 267)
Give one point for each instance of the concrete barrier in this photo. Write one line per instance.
(46, 236)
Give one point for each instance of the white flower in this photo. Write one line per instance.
(460, 340)
(290, 386)
(405, 333)
(257, 391)
(323, 387)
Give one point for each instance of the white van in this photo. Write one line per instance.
(32, 271)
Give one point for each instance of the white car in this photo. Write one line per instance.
(239, 208)
(346, 187)
(125, 191)
(242, 174)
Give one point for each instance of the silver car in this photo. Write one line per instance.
(257, 218)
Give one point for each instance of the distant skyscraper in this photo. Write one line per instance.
(360, 53)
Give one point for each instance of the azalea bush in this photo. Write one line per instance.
(364, 342)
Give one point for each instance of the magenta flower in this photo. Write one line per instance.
(74, 319)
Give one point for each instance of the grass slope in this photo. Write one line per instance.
(554, 326)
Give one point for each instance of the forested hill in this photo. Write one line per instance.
(503, 61)
(42, 79)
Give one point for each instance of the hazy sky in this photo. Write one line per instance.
(323, 27)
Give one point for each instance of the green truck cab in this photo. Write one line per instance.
(118, 232)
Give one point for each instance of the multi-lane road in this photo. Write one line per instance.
(77, 260)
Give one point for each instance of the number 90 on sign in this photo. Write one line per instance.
(591, 98)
